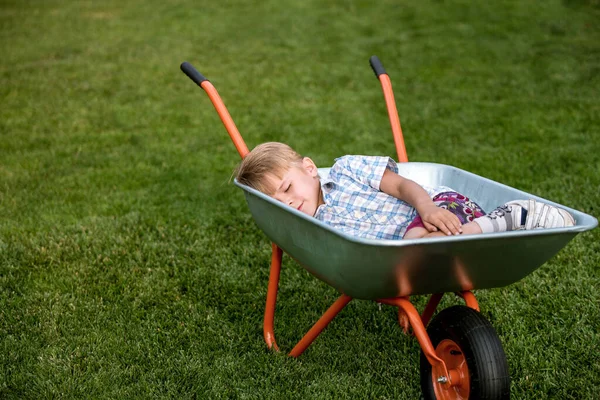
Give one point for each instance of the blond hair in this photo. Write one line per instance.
(271, 158)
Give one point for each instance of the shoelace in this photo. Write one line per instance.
(500, 212)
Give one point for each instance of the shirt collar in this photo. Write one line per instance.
(325, 189)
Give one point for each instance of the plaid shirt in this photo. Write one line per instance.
(355, 204)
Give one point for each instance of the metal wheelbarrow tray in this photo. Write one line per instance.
(462, 356)
(375, 269)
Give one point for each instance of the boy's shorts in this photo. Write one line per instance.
(465, 209)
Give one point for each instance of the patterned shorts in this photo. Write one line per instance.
(461, 206)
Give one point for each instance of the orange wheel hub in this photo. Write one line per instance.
(458, 386)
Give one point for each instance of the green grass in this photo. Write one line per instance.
(129, 265)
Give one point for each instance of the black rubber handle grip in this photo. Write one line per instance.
(192, 73)
(377, 66)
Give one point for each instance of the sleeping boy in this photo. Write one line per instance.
(365, 197)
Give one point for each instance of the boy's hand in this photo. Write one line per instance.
(435, 218)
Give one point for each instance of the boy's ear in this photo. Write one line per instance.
(309, 166)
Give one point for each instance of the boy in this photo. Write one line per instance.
(365, 197)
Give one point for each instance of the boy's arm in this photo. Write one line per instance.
(433, 217)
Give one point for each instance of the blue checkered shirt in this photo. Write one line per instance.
(355, 205)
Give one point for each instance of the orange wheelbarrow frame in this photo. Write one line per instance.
(408, 316)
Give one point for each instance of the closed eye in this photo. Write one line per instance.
(288, 188)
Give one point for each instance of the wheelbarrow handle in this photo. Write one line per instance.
(377, 66)
(388, 94)
(192, 73)
(208, 87)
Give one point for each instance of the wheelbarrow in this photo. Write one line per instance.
(461, 354)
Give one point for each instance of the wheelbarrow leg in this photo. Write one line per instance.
(268, 330)
(318, 327)
(269, 320)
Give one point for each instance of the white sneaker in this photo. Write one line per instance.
(509, 217)
(539, 215)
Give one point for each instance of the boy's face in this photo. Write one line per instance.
(299, 187)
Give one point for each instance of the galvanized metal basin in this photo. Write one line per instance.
(375, 269)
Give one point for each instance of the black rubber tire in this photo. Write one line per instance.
(479, 342)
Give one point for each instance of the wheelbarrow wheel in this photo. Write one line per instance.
(473, 354)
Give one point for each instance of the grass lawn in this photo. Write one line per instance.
(129, 264)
